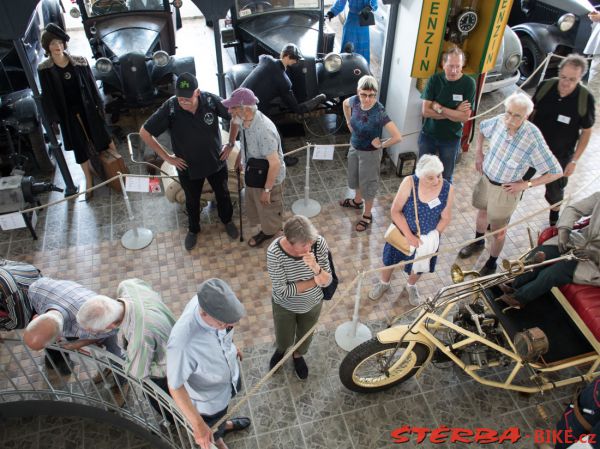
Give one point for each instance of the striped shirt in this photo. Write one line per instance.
(286, 270)
(145, 329)
(66, 297)
(508, 158)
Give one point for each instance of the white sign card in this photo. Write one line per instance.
(323, 152)
(13, 220)
(137, 184)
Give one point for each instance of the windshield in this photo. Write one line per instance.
(95, 8)
(245, 8)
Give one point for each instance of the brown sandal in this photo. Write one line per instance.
(257, 239)
(363, 223)
(349, 202)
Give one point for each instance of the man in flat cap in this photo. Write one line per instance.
(202, 367)
(192, 117)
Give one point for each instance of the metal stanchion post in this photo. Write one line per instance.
(136, 238)
(543, 75)
(306, 206)
(352, 333)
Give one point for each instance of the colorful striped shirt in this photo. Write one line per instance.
(508, 158)
(145, 329)
(286, 270)
(66, 297)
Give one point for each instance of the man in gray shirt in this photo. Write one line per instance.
(202, 367)
(260, 140)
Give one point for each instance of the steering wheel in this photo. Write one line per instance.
(100, 7)
(254, 6)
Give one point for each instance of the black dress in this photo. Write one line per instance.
(70, 97)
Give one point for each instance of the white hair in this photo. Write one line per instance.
(429, 164)
(519, 99)
(99, 312)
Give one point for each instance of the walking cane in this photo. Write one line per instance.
(239, 183)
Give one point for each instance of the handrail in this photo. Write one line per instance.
(23, 376)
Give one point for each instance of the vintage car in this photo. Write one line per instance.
(133, 42)
(265, 26)
(22, 144)
(550, 26)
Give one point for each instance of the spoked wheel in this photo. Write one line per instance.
(362, 369)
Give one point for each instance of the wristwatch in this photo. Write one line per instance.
(267, 190)
(439, 110)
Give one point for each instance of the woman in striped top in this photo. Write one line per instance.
(298, 265)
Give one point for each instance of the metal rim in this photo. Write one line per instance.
(374, 375)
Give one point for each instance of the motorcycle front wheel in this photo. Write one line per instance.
(362, 369)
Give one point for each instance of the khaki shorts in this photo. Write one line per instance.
(268, 216)
(498, 204)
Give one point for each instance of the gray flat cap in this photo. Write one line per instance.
(218, 300)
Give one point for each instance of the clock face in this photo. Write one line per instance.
(466, 21)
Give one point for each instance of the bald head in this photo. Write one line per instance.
(43, 330)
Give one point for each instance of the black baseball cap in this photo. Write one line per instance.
(186, 85)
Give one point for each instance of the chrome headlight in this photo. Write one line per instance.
(104, 65)
(74, 12)
(160, 58)
(566, 22)
(332, 62)
(512, 62)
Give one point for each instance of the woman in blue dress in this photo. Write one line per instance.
(435, 196)
(353, 32)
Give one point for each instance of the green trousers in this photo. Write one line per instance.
(291, 327)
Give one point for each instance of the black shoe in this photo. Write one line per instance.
(485, 270)
(471, 249)
(231, 230)
(290, 161)
(275, 358)
(190, 241)
(300, 368)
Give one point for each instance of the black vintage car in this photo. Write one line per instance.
(22, 144)
(550, 26)
(133, 42)
(264, 27)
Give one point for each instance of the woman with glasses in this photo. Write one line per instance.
(366, 119)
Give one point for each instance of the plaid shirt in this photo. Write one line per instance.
(508, 158)
(66, 297)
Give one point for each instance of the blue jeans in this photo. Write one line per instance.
(446, 150)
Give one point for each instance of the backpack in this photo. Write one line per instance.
(15, 279)
(204, 98)
(582, 100)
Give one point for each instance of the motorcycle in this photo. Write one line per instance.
(533, 349)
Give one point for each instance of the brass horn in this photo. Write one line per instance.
(513, 267)
(458, 275)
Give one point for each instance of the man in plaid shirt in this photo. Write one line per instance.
(515, 145)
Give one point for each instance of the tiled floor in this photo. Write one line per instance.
(80, 241)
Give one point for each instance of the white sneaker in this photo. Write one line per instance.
(378, 290)
(414, 299)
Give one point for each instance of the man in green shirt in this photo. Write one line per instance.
(447, 101)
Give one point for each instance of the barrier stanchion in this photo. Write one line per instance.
(138, 237)
(306, 206)
(352, 333)
(546, 63)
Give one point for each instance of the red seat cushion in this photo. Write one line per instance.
(585, 299)
(3, 314)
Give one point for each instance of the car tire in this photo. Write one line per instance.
(532, 58)
(40, 149)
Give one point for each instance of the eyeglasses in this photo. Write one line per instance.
(513, 115)
(367, 96)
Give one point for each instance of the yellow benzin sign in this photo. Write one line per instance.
(497, 33)
(429, 39)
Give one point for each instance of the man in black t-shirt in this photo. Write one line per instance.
(192, 117)
(564, 113)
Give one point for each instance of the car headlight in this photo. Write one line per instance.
(74, 12)
(512, 62)
(160, 58)
(332, 62)
(103, 65)
(566, 22)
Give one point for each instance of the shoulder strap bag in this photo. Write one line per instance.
(394, 236)
(256, 170)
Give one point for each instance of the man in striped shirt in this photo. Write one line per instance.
(144, 322)
(515, 145)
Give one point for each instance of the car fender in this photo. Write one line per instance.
(547, 37)
(343, 82)
(182, 64)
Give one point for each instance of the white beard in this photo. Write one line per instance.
(237, 120)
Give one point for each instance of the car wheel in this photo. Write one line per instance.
(40, 150)
(532, 58)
